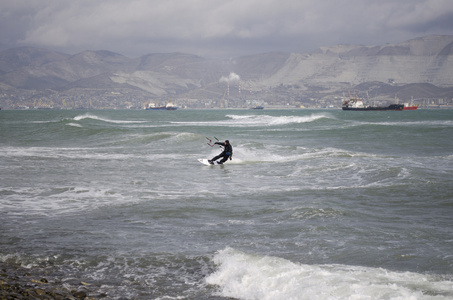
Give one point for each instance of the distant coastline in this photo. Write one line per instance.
(417, 70)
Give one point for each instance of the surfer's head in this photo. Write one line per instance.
(227, 142)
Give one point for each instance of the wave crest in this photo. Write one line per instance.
(97, 118)
(247, 276)
(263, 120)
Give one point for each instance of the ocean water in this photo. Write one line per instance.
(316, 204)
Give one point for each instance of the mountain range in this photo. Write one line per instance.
(420, 68)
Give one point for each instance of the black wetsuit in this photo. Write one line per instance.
(226, 153)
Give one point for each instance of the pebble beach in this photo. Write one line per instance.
(17, 282)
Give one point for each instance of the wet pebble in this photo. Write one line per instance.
(19, 283)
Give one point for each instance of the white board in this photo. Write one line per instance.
(204, 161)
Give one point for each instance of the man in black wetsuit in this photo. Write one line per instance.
(226, 153)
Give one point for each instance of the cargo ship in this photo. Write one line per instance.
(409, 107)
(356, 104)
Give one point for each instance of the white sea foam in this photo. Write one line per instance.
(258, 120)
(281, 154)
(74, 125)
(56, 200)
(94, 117)
(246, 276)
(70, 153)
(266, 120)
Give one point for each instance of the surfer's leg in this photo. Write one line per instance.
(216, 158)
(224, 159)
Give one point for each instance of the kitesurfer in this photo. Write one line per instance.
(226, 153)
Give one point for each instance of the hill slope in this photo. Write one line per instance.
(327, 71)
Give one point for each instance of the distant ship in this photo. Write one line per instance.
(409, 107)
(169, 106)
(356, 104)
(258, 107)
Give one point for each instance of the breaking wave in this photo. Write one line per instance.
(247, 276)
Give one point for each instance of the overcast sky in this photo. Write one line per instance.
(217, 28)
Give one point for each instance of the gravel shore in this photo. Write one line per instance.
(17, 282)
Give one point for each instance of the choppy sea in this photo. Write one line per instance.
(316, 204)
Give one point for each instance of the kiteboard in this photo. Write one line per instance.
(204, 161)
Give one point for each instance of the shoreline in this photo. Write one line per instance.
(17, 282)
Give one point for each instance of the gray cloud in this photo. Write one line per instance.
(217, 27)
